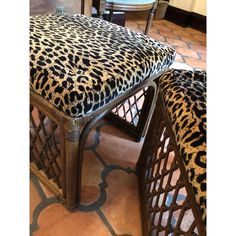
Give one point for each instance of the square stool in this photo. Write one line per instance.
(172, 163)
(81, 68)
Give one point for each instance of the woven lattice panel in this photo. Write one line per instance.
(168, 206)
(130, 109)
(45, 151)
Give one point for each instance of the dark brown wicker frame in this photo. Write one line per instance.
(153, 172)
(73, 134)
(139, 130)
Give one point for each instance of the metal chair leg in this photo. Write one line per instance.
(101, 8)
(150, 17)
(82, 6)
(110, 16)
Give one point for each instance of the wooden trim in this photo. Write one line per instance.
(186, 18)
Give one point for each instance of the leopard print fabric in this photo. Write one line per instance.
(80, 63)
(184, 96)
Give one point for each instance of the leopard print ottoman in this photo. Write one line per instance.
(184, 95)
(172, 163)
(79, 63)
(80, 69)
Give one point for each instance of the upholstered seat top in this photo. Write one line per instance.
(79, 63)
(184, 96)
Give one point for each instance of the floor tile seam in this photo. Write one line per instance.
(113, 167)
(103, 185)
(95, 205)
(101, 199)
(38, 209)
(165, 40)
(158, 33)
(188, 44)
(99, 158)
(38, 187)
(106, 222)
(198, 57)
(96, 137)
(96, 143)
(183, 38)
(169, 39)
(178, 37)
(175, 36)
(199, 54)
(182, 57)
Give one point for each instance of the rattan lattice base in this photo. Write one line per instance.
(168, 205)
(45, 150)
(57, 141)
(132, 114)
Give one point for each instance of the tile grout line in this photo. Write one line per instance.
(38, 209)
(99, 158)
(106, 222)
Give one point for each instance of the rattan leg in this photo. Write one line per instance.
(73, 169)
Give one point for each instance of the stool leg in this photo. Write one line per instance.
(72, 170)
(101, 8)
(110, 16)
(82, 7)
(150, 17)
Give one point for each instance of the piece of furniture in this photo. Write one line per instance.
(172, 163)
(81, 68)
(128, 5)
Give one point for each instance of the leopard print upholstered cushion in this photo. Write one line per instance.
(184, 96)
(79, 63)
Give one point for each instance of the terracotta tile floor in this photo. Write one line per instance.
(190, 44)
(110, 204)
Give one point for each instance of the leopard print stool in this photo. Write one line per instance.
(172, 163)
(80, 69)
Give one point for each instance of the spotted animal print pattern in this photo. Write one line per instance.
(184, 96)
(78, 63)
